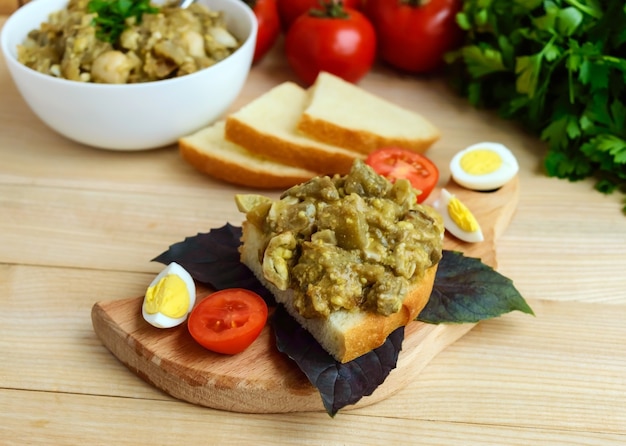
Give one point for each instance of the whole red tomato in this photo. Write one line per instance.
(413, 35)
(338, 40)
(266, 12)
(290, 10)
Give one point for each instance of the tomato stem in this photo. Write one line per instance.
(331, 9)
(416, 3)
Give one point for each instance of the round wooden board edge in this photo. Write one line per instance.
(421, 344)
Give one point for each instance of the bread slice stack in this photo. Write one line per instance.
(290, 134)
(269, 126)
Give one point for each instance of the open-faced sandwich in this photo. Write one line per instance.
(351, 257)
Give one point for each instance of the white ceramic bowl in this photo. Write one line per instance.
(131, 116)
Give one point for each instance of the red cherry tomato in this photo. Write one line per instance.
(266, 12)
(228, 321)
(394, 163)
(290, 10)
(413, 35)
(340, 41)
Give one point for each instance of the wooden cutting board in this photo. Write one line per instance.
(260, 379)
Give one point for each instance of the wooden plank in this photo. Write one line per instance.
(67, 419)
(104, 230)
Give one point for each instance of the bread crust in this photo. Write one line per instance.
(368, 330)
(237, 173)
(374, 328)
(307, 156)
(360, 141)
(208, 151)
(329, 117)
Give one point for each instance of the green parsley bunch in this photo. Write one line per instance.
(559, 68)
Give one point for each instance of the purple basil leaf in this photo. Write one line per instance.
(213, 259)
(466, 291)
(339, 384)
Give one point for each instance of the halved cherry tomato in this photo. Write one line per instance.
(228, 321)
(395, 162)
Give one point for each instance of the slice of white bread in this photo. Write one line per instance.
(346, 335)
(267, 126)
(209, 152)
(345, 115)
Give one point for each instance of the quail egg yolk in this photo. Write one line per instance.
(168, 296)
(484, 166)
(457, 218)
(462, 216)
(481, 162)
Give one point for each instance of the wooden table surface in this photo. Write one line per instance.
(79, 225)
